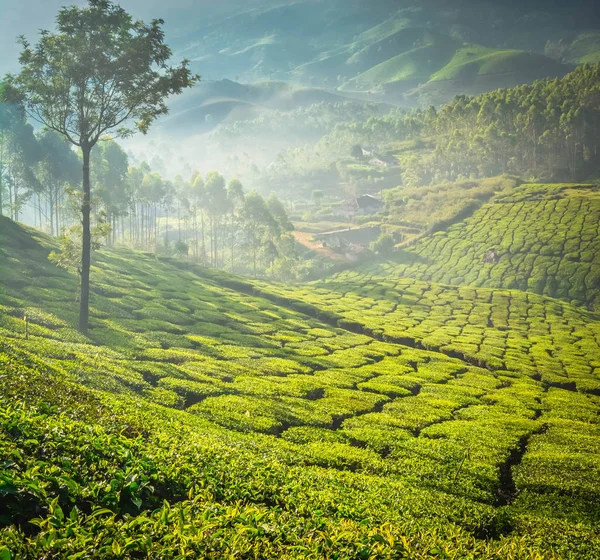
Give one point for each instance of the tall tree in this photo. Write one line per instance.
(100, 71)
(10, 115)
(235, 194)
(257, 222)
(109, 169)
(197, 200)
(217, 203)
(18, 161)
(57, 168)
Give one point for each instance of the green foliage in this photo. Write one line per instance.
(69, 254)
(384, 245)
(206, 416)
(538, 238)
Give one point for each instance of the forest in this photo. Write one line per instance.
(301, 280)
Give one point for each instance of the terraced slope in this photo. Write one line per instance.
(504, 330)
(201, 418)
(546, 239)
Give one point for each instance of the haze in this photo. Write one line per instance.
(324, 285)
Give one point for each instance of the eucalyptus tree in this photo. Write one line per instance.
(153, 192)
(168, 201)
(135, 179)
(10, 115)
(257, 223)
(57, 168)
(278, 212)
(110, 165)
(21, 153)
(101, 71)
(217, 204)
(235, 194)
(197, 202)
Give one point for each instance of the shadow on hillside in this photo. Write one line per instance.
(402, 256)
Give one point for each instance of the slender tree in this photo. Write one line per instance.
(217, 204)
(110, 164)
(257, 222)
(235, 194)
(100, 71)
(57, 168)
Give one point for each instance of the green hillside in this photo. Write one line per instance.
(382, 46)
(585, 49)
(208, 104)
(294, 435)
(478, 61)
(545, 238)
(408, 69)
(444, 66)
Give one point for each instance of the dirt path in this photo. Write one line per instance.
(305, 239)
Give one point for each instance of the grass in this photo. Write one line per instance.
(545, 238)
(416, 54)
(435, 208)
(211, 416)
(476, 60)
(585, 49)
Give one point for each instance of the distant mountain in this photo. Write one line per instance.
(210, 103)
(399, 50)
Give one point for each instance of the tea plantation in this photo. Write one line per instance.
(540, 238)
(360, 417)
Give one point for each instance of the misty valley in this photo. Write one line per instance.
(300, 279)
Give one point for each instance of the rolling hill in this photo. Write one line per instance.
(545, 239)
(396, 51)
(209, 415)
(204, 107)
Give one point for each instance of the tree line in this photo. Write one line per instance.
(206, 219)
(547, 130)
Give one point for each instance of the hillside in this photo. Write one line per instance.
(209, 104)
(208, 415)
(545, 240)
(396, 51)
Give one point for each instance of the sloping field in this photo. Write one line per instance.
(545, 238)
(208, 416)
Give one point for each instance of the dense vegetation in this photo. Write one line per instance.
(432, 392)
(293, 437)
(538, 238)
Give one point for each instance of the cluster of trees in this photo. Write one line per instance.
(36, 171)
(206, 219)
(549, 129)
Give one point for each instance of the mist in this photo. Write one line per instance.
(300, 279)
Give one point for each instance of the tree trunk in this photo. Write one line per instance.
(203, 242)
(84, 303)
(109, 221)
(232, 239)
(51, 210)
(179, 220)
(167, 229)
(195, 228)
(39, 205)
